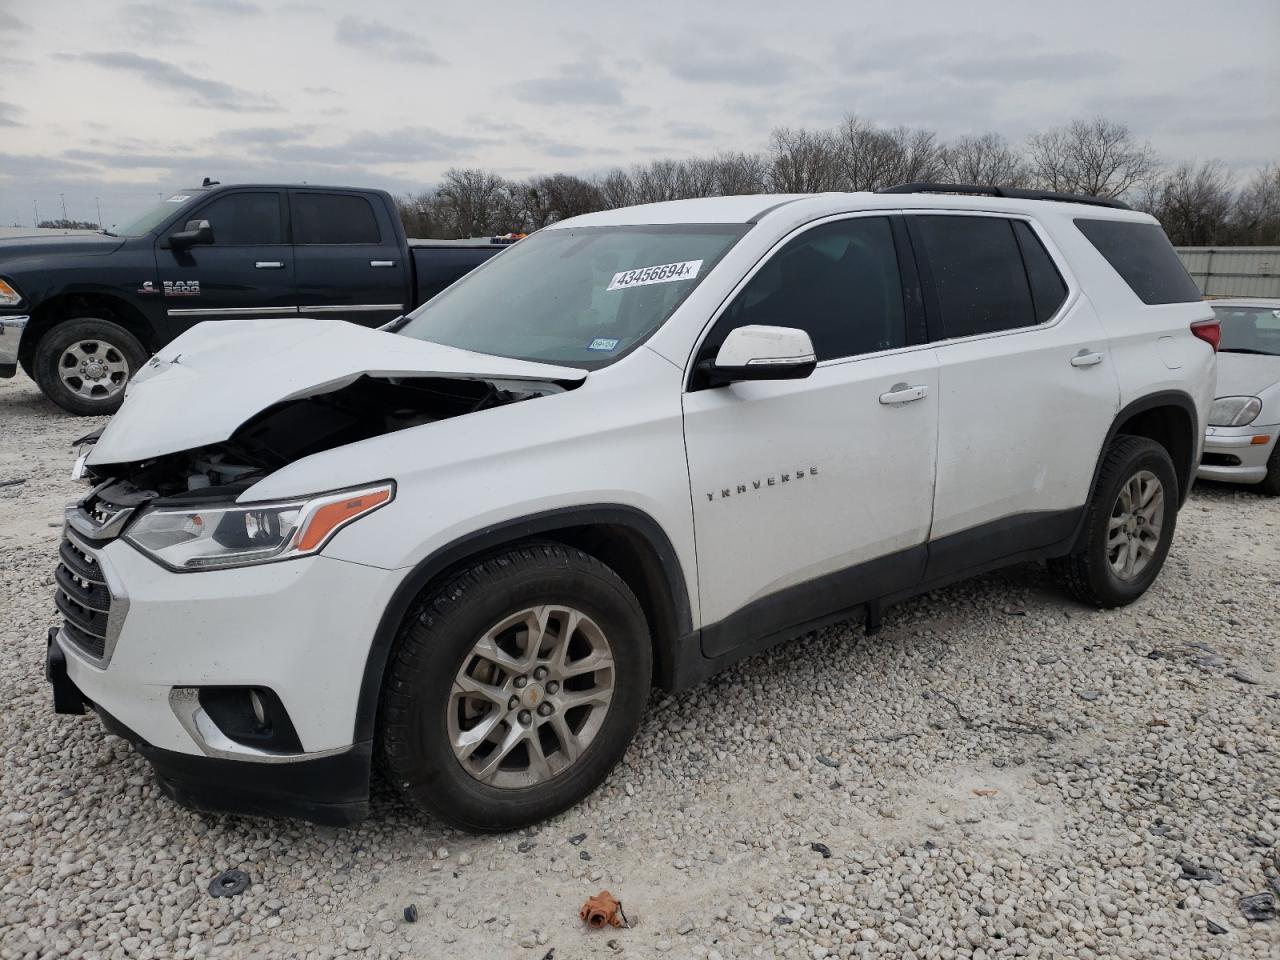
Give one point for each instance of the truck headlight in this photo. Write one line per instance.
(1234, 411)
(219, 535)
(9, 295)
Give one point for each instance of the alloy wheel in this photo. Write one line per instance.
(93, 369)
(1133, 532)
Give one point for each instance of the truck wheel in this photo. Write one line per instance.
(83, 363)
(515, 688)
(1128, 526)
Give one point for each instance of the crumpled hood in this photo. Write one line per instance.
(1246, 374)
(204, 385)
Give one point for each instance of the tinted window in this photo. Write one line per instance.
(438, 267)
(1048, 289)
(1144, 257)
(839, 282)
(332, 218)
(978, 275)
(244, 219)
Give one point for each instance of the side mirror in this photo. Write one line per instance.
(758, 352)
(195, 232)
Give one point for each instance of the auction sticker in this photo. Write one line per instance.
(662, 273)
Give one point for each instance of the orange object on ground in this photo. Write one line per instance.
(602, 910)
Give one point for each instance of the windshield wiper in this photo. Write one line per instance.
(1261, 353)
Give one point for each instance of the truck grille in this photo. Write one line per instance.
(82, 597)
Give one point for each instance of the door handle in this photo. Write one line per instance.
(382, 263)
(903, 393)
(270, 264)
(1086, 359)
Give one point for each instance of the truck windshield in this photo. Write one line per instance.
(580, 297)
(155, 215)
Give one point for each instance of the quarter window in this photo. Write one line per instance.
(839, 282)
(1144, 258)
(978, 274)
(331, 218)
(244, 219)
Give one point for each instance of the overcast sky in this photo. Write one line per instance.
(124, 100)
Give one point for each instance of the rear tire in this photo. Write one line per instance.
(82, 364)
(484, 722)
(1129, 525)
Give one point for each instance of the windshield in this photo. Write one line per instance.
(1249, 329)
(155, 215)
(579, 297)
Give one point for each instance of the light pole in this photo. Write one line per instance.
(98, 201)
(63, 198)
(35, 205)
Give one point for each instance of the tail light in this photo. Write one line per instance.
(1209, 331)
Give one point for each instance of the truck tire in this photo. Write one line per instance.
(83, 363)
(515, 688)
(1129, 525)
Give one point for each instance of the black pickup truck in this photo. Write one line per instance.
(81, 313)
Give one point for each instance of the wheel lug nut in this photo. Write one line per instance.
(521, 681)
(544, 709)
(553, 687)
(525, 717)
(513, 703)
(539, 673)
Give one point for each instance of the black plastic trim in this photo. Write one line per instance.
(1165, 398)
(1012, 193)
(469, 547)
(1014, 536)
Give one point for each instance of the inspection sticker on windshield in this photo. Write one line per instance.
(603, 343)
(662, 273)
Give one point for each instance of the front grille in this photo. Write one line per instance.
(82, 597)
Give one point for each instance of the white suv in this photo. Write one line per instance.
(632, 449)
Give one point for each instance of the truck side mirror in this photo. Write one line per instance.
(195, 232)
(758, 352)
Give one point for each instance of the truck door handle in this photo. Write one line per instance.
(1086, 359)
(382, 263)
(903, 393)
(270, 264)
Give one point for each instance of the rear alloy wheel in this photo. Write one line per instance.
(83, 365)
(1129, 525)
(515, 688)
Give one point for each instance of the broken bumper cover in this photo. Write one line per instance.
(11, 330)
(331, 790)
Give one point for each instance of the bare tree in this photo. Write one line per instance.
(872, 157)
(803, 161)
(1192, 203)
(617, 189)
(1255, 216)
(561, 196)
(1098, 157)
(985, 159)
(740, 173)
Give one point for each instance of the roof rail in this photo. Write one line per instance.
(1013, 193)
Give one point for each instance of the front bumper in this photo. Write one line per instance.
(1232, 454)
(332, 789)
(11, 330)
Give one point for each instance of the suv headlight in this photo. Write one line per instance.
(219, 535)
(9, 295)
(1234, 411)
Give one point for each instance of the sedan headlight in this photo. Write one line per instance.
(1234, 411)
(219, 535)
(9, 295)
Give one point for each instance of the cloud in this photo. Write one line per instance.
(689, 131)
(730, 59)
(1032, 67)
(232, 7)
(374, 37)
(264, 136)
(207, 93)
(581, 83)
(319, 91)
(9, 115)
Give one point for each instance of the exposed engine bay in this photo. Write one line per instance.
(294, 429)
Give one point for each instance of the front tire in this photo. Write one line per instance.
(83, 364)
(1129, 526)
(515, 688)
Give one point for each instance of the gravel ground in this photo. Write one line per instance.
(1001, 772)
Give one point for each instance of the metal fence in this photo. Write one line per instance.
(1234, 271)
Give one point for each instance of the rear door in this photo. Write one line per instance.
(1028, 388)
(246, 272)
(351, 263)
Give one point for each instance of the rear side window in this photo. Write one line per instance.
(438, 267)
(839, 282)
(1144, 258)
(244, 219)
(331, 218)
(1048, 289)
(978, 275)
